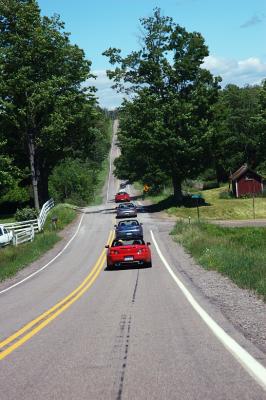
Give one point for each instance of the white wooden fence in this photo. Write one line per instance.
(24, 236)
(24, 231)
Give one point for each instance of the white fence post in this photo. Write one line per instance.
(32, 233)
(13, 238)
(39, 225)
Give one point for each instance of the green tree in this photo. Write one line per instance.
(9, 174)
(236, 133)
(40, 87)
(172, 98)
(72, 180)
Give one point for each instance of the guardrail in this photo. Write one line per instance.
(24, 231)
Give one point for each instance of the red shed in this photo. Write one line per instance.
(245, 181)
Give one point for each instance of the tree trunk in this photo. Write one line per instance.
(178, 197)
(43, 185)
(34, 179)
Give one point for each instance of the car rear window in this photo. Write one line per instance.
(128, 223)
(127, 242)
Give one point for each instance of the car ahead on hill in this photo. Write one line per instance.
(125, 252)
(129, 229)
(122, 196)
(6, 237)
(126, 210)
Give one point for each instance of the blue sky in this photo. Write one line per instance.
(234, 31)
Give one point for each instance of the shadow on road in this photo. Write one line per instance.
(103, 211)
(125, 268)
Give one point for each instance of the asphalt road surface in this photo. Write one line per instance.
(77, 331)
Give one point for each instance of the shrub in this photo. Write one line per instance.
(25, 214)
(73, 180)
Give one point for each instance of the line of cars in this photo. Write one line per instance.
(128, 247)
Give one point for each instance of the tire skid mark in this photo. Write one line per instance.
(135, 288)
(124, 365)
(124, 342)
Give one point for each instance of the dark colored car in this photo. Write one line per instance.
(128, 229)
(128, 252)
(123, 185)
(126, 210)
(122, 196)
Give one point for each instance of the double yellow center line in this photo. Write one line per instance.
(21, 336)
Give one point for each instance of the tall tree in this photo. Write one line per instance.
(236, 130)
(9, 174)
(40, 85)
(172, 98)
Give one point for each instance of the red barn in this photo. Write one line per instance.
(245, 181)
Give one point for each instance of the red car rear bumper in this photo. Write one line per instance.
(120, 261)
(122, 199)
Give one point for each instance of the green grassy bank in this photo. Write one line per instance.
(215, 208)
(239, 253)
(102, 177)
(12, 258)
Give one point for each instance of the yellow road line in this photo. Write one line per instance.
(46, 313)
(62, 305)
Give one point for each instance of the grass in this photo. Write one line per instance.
(239, 253)
(4, 219)
(13, 259)
(215, 207)
(102, 176)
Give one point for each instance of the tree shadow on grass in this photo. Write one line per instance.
(187, 202)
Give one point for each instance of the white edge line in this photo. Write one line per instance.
(253, 367)
(46, 265)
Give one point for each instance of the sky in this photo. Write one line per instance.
(234, 31)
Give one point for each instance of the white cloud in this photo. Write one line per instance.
(255, 20)
(250, 71)
(107, 97)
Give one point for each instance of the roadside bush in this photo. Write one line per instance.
(73, 181)
(25, 214)
(226, 194)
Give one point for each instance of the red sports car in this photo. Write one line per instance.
(122, 196)
(128, 252)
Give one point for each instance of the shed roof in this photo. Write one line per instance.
(241, 171)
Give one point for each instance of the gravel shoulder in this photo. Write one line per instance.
(243, 308)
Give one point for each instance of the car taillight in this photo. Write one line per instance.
(114, 252)
(144, 250)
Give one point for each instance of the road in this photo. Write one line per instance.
(78, 331)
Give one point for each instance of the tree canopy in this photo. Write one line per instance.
(237, 134)
(165, 124)
(46, 113)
